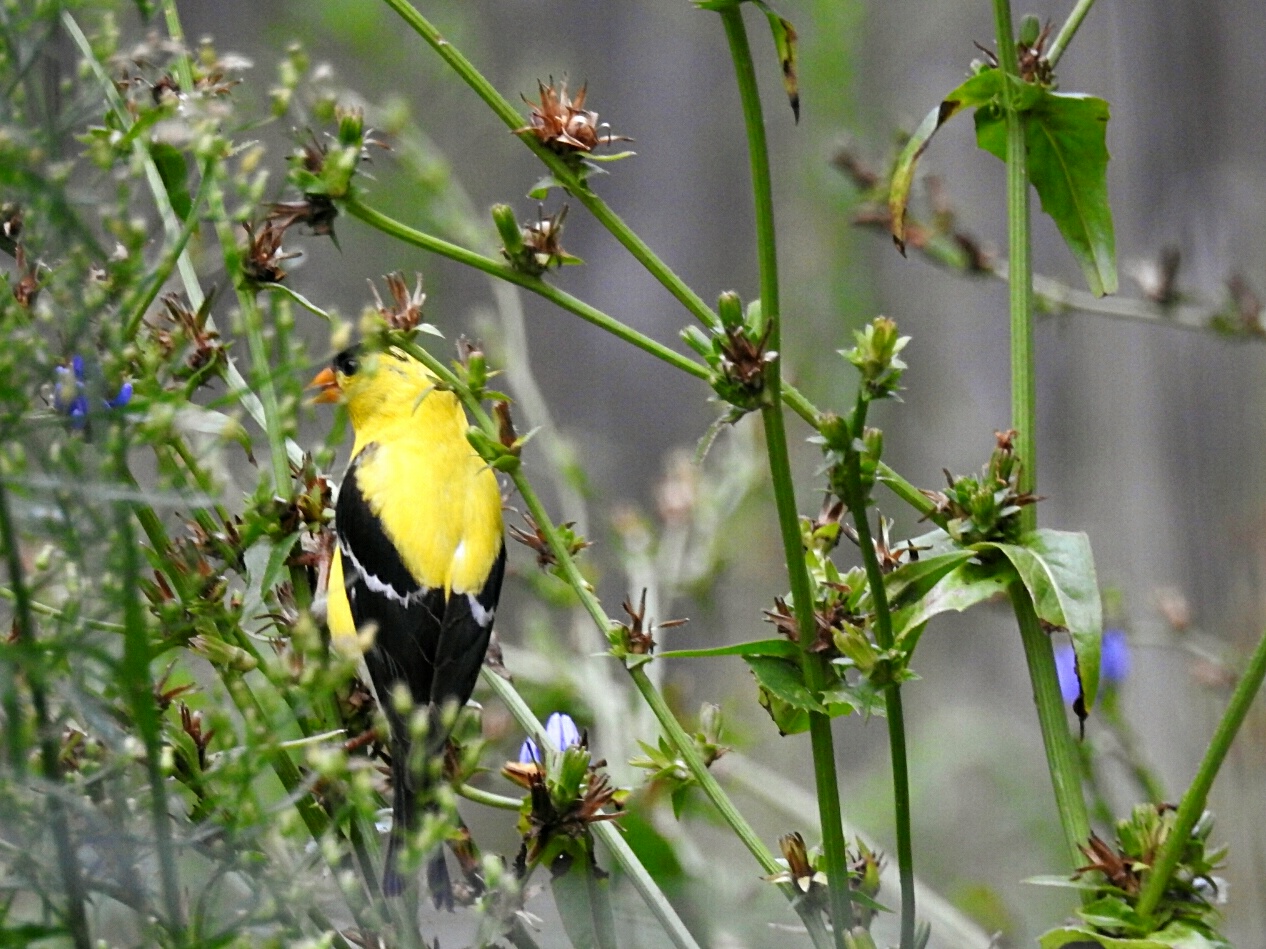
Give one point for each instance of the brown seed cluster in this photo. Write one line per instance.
(563, 124)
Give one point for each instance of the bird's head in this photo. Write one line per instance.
(375, 386)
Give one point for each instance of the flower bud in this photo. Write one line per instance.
(730, 310)
(562, 730)
(1030, 29)
(508, 228)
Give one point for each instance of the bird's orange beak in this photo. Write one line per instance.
(327, 382)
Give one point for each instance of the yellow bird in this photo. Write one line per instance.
(420, 560)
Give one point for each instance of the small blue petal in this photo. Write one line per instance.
(122, 399)
(562, 730)
(78, 363)
(528, 753)
(1066, 667)
(1114, 665)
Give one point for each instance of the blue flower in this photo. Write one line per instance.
(1114, 663)
(562, 732)
(70, 397)
(1066, 668)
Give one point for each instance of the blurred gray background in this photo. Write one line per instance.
(1150, 436)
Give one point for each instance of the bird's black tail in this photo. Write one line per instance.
(407, 789)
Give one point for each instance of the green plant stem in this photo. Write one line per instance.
(503, 271)
(857, 504)
(1061, 753)
(1068, 31)
(53, 612)
(1193, 802)
(488, 798)
(50, 751)
(138, 683)
(821, 739)
(610, 835)
(558, 167)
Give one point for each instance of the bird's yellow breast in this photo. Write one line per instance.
(438, 503)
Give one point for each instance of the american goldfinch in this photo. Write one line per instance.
(420, 559)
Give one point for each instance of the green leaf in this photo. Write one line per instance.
(789, 702)
(976, 91)
(961, 588)
(1066, 139)
(912, 580)
(1058, 570)
(785, 681)
(174, 171)
(1173, 936)
(785, 43)
(540, 190)
(584, 905)
(277, 558)
(779, 648)
(1064, 882)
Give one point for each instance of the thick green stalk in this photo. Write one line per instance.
(1193, 802)
(50, 751)
(1061, 753)
(821, 740)
(857, 504)
(559, 168)
(1068, 31)
(503, 271)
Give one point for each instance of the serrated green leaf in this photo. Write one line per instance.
(174, 171)
(1066, 139)
(1058, 570)
(778, 648)
(976, 91)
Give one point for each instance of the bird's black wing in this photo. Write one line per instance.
(407, 617)
(463, 639)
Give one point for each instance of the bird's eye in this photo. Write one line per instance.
(347, 362)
